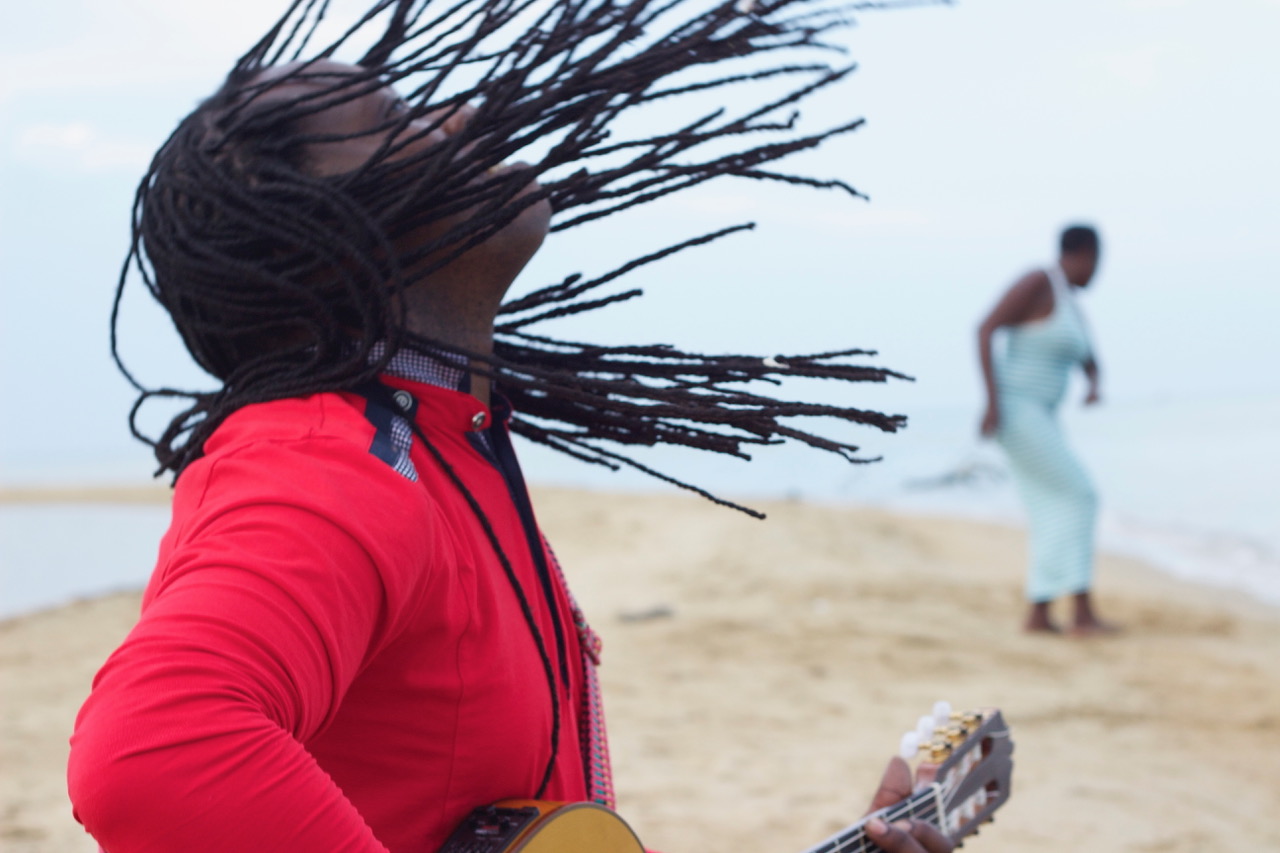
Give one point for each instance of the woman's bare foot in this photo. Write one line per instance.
(1086, 623)
(1038, 620)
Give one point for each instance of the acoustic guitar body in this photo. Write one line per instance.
(533, 826)
(971, 755)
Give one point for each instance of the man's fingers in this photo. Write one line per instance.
(930, 837)
(895, 785)
(908, 836)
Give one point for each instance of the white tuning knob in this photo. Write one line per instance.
(924, 728)
(941, 713)
(909, 745)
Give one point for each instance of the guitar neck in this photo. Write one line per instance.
(919, 806)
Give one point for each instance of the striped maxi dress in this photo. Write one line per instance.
(1031, 380)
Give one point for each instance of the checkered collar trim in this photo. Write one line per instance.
(430, 367)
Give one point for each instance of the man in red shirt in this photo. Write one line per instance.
(331, 653)
(355, 633)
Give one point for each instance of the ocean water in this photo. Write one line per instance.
(1191, 487)
(52, 553)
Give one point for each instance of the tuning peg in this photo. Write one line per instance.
(909, 745)
(941, 713)
(925, 727)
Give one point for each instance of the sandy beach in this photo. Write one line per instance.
(759, 674)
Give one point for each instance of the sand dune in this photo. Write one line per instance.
(758, 675)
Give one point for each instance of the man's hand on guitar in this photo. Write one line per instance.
(902, 836)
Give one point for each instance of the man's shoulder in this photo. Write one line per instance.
(302, 470)
(319, 444)
(318, 418)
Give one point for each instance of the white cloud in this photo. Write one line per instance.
(67, 137)
(1138, 68)
(138, 44)
(1156, 5)
(106, 45)
(79, 145)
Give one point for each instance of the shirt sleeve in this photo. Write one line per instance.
(192, 739)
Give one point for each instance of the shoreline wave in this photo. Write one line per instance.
(34, 524)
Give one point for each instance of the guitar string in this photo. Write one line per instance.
(926, 811)
(859, 842)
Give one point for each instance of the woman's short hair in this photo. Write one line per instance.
(1079, 238)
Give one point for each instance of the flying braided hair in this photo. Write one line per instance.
(284, 283)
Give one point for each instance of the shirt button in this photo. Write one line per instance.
(477, 420)
(403, 399)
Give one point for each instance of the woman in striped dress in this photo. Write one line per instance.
(1046, 338)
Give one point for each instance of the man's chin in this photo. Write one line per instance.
(525, 233)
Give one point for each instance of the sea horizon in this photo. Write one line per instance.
(1184, 488)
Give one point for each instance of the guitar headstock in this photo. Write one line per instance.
(969, 756)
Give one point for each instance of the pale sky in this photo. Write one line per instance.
(991, 123)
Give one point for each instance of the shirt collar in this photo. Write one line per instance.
(442, 369)
(449, 372)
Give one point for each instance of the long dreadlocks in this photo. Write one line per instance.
(282, 282)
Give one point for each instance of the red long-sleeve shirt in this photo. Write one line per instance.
(330, 656)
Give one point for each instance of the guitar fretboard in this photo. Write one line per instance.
(921, 806)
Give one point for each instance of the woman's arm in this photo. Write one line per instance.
(1020, 303)
(1094, 394)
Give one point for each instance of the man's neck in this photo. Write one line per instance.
(455, 318)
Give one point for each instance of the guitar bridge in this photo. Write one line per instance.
(489, 829)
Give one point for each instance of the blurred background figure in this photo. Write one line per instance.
(1025, 382)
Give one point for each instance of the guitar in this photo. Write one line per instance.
(964, 776)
